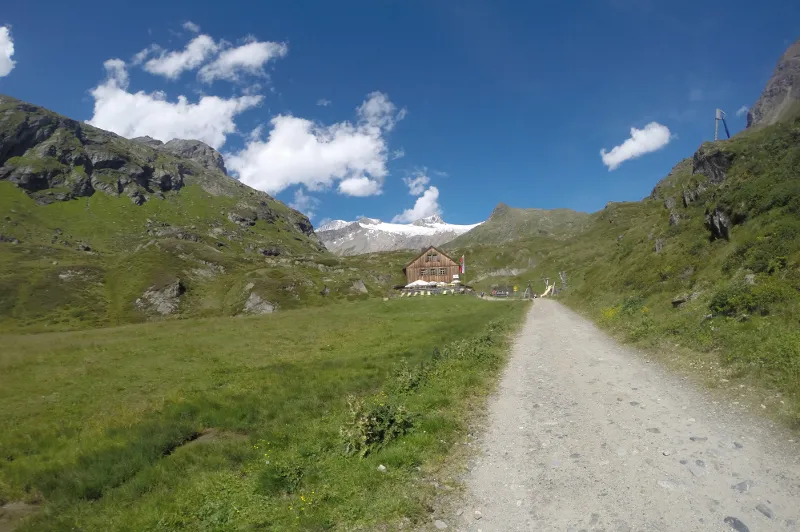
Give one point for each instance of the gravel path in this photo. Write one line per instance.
(584, 434)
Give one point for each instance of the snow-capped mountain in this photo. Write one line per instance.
(368, 235)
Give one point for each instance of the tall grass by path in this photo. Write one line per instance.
(242, 423)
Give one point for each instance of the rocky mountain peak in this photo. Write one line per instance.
(499, 210)
(150, 141)
(368, 221)
(429, 220)
(197, 151)
(781, 96)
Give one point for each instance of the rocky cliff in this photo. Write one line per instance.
(781, 96)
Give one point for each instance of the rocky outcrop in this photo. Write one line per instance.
(256, 305)
(163, 301)
(718, 222)
(358, 286)
(781, 96)
(197, 151)
(712, 162)
(691, 193)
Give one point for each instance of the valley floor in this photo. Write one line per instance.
(584, 434)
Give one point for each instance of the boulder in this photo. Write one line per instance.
(659, 245)
(358, 286)
(163, 300)
(674, 218)
(255, 304)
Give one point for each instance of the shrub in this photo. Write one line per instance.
(373, 424)
(738, 297)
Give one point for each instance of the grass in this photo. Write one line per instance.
(102, 426)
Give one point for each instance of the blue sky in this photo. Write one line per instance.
(486, 101)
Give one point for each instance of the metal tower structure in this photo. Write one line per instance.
(720, 116)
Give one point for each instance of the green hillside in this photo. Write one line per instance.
(509, 223)
(99, 230)
(710, 262)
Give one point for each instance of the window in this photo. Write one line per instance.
(423, 271)
(442, 271)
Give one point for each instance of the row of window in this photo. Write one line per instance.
(432, 271)
(432, 257)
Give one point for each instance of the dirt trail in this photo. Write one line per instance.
(584, 434)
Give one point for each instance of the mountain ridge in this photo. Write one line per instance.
(370, 235)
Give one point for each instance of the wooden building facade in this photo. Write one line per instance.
(431, 265)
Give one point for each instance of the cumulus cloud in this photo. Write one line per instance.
(298, 151)
(360, 187)
(249, 58)
(417, 182)
(426, 205)
(323, 102)
(173, 64)
(210, 119)
(6, 51)
(742, 110)
(191, 26)
(305, 203)
(653, 137)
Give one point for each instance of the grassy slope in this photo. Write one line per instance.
(46, 283)
(94, 419)
(507, 223)
(616, 277)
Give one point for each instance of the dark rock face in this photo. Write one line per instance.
(718, 223)
(57, 159)
(712, 162)
(202, 153)
(781, 96)
(690, 194)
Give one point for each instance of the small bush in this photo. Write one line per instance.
(373, 424)
(738, 297)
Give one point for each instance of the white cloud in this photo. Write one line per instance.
(653, 137)
(323, 102)
(172, 64)
(742, 110)
(298, 151)
(6, 51)
(378, 111)
(426, 205)
(139, 58)
(398, 154)
(360, 187)
(191, 26)
(305, 203)
(249, 58)
(417, 182)
(137, 114)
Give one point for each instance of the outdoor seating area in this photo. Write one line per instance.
(432, 288)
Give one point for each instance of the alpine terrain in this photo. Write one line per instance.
(97, 229)
(368, 235)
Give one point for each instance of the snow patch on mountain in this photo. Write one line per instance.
(368, 235)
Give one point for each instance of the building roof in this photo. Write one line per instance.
(424, 252)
